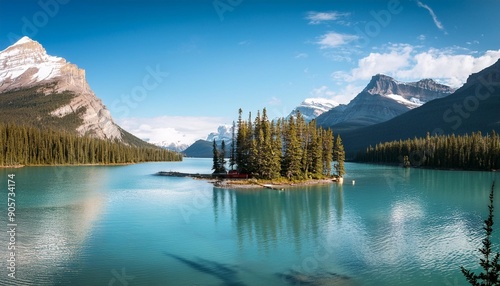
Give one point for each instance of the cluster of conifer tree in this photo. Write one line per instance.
(22, 145)
(468, 152)
(289, 148)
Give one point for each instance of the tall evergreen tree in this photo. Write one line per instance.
(216, 161)
(339, 157)
(222, 158)
(232, 158)
(489, 262)
(327, 140)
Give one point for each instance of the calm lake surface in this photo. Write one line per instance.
(122, 225)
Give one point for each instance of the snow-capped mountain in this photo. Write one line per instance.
(311, 108)
(438, 116)
(382, 99)
(173, 146)
(26, 65)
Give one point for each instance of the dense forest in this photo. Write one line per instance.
(468, 152)
(285, 148)
(24, 145)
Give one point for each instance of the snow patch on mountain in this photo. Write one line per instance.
(311, 108)
(410, 103)
(26, 64)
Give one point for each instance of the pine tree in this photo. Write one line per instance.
(327, 139)
(293, 152)
(490, 264)
(222, 158)
(216, 161)
(339, 157)
(232, 157)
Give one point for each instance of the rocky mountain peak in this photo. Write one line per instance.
(26, 64)
(423, 90)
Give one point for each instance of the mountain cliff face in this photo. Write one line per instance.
(382, 99)
(27, 66)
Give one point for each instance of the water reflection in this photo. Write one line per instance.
(57, 208)
(266, 216)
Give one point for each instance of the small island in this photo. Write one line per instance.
(275, 154)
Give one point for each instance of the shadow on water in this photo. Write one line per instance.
(227, 273)
(293, 277)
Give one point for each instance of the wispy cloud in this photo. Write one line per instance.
(438, 23)
(301, 55)
(274, 101)
(316, 18)
(334, 40)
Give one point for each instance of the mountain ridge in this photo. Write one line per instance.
(28, 72)
(471, 108)
(382, 99)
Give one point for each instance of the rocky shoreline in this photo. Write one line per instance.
(255, 184)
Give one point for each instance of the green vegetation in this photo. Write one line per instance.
(286, 148)
(32, 107)
(489, 263)
(219, 160)
(468, 152)
(26, 145)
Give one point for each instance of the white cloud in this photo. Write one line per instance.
(172, 129)
(385, 63)
(438, 23)
(453, 69)
(334, 40)
(421, 38)
(405, 63)
(322, 91)
(320, 17)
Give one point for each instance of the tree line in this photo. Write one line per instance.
(468, 152)
(24, 145)
(285, 148)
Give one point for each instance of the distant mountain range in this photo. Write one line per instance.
(203, 148)
(382, 99)
(388, 110)
(48, 92)
(473, 107)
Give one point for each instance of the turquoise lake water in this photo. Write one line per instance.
(122, 225)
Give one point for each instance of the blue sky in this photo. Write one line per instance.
(172, 69)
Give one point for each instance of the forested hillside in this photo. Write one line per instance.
(468, 152)
(26, 145)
